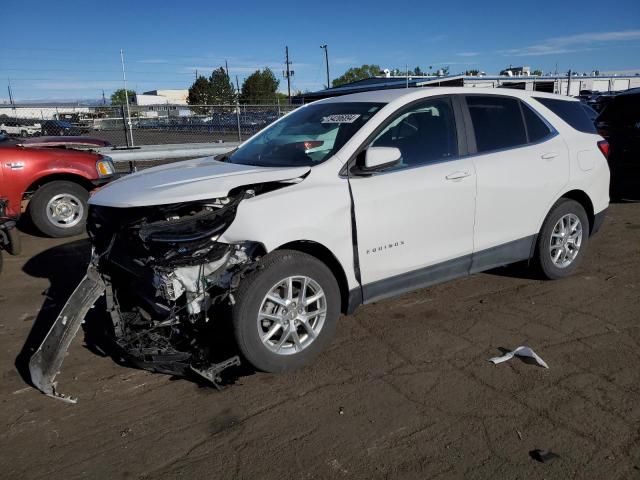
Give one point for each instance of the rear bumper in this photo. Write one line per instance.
(598, 220)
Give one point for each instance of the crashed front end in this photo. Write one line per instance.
(163, 273)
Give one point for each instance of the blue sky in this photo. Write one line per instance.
(70, 50)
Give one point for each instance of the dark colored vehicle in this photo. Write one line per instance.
(9, 239)
(619, 123)
(600, 100)
(61, 128)
(52, 184)
(3, 137)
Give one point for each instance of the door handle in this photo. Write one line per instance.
(457, 175)
(549, 156)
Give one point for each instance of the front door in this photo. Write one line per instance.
(414, 221)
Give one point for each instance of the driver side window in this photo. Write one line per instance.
(424, 134)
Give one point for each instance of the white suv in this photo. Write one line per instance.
(342, 202)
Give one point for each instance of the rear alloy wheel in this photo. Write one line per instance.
(286, 312)
(59, 209)
(563, 239)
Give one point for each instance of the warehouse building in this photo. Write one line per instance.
(560, 84)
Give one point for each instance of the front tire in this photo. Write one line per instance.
(562, 240)
(286, 311)
(59, 209)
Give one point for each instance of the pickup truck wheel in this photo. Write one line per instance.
(285, 312)
(23, 133)
(562, 240)
(59, 209)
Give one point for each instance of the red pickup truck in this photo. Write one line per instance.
(50, 181)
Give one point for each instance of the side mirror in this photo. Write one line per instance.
(377, 158)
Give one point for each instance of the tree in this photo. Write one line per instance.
(199, 92)
(221, 90)
(418, 71)
(356, 73)
(472, 73)
(118, 97)
(445, 70)
(260, 87)
(537, 72)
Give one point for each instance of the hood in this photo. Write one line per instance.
(187, 181)
(65, 142)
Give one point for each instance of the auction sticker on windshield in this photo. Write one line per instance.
(341, 118)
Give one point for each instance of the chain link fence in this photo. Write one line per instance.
(150, 125)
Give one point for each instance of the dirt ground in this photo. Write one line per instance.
(405, 390)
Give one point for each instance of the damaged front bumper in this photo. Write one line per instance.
(46, 362)
(161, 278)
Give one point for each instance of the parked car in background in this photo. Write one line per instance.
(344, 201)
(19, 129)
(62, 128)
(3, 137)
(9, 238)
(600, 100)
(51, 182)
(619, 123)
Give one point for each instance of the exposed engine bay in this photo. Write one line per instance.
(163, 272)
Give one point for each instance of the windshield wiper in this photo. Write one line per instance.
(223, 157)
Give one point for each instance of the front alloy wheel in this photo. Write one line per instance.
(292, 315)
(285, 311)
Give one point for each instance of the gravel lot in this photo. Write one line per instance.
(405, 391)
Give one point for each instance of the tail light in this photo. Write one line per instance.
(603, 145)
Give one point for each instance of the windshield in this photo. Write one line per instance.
(308, 136)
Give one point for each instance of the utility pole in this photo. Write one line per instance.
(569, 82)
(126, 98)
(406, 69)
(104, 100)
(288, 73)
(226, 67)
(326, 61)
(10, 94)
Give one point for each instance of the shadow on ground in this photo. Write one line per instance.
(64, 266)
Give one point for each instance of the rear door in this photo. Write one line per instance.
(521, 165)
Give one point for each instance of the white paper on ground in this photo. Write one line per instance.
(521, 351)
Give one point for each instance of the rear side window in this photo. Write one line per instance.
(497, 122)
(537, 129)
(570, 112)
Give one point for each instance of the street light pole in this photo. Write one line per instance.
(126, 98)
(326, 61)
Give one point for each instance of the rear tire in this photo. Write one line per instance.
(59, 209)
(281, 335)
(563, 240)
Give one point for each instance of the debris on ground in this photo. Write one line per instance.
(543, 456)
(521, 351)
